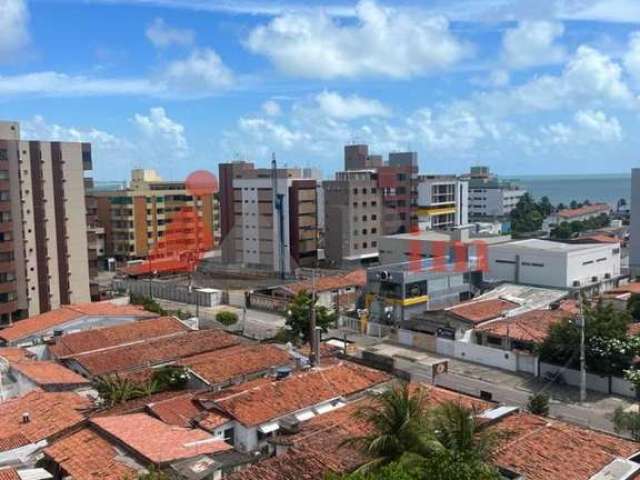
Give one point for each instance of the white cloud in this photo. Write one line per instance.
(271, 134)
(161, 35)
(533, 43)
(201, 74)
(164, 135)
(14, 34)
(588, 126)
(354, 106)
(383, 42)
(631, 57)
(203, 71)
(271, 108)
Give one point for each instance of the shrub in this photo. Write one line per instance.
(227, 318)
(539, 404)
(170, 377)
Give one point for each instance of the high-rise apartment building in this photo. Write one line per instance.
(634, 227)
(489, 196)
(136, 219)
(44, 224)
(269, 217)
(442, 202)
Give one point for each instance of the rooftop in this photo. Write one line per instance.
(482, 310)
(49, 414)
(144, 353)
(45, 373)
(184, 411)
(586, 210)
(224, 365)
(9, 474)
(270, 400)
(100, 338)
(56, 318)
(544, 449)
(14, 354)
(535, 244)
(85, 455)
(156, 441)
(357, 278)
(532, 326)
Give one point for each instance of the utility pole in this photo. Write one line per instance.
(312, 323)
(583, 357)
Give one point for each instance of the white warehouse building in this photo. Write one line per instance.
(590, 267)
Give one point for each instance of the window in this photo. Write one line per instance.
(4, 155)
(373, 190)
(374, 217)
(494, 341)
(374, 230)
(374, 204)
(6, 236)
(364, 218)
(374, 244)
(364, 191)
(512, 262)
(355, 233)
(355, 204)
(364, 231)
(7, 277)
(355, 246)
(355, 191)
(4, 196)
(229, 435)
(364, 245)
(4, 174)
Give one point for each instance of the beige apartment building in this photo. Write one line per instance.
(136, 219)
(46, 223)
(269, 217)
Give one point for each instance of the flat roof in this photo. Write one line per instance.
(551, 246)
(446, 236)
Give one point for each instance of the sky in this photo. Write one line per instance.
(526, 87)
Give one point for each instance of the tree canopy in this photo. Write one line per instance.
(299, 316)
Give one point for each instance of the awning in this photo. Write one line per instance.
(268, 427)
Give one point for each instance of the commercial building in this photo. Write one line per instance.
(583, 267)
(491, 197)
(269, 217)
(136, 220)
(442, 202)
(634, 229)
(45, 221)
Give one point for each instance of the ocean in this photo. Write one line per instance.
(607, 188)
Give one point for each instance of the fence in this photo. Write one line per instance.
(597, 383)
(267, 303)
(168, 291)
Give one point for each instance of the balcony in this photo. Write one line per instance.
(8, 307)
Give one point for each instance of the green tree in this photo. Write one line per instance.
(114, 389)
(545, 207)
(399, 426)
(170, 377)
(562, 231)
(573, 205)
(539, 404)
(526, 217)
(627, 421)
(621, 204)
(633, 306)
(299, 316)
(227, 318)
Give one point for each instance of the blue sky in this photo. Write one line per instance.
(179, 85)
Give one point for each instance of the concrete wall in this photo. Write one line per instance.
(597, 383)
(167, 291)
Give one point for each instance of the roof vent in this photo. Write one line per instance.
(26, 418)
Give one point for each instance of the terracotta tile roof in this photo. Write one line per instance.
(357, 278)
(9, 474)
(44, 373)
(266, 401)
(482, 310)
(319, 446)
(225, 365)
(599, 238)
(14, 354)
(85, 455)
(144, 353)
(185, 411)
(156, 441)
(631, 287)
(50, 414)
(569, 213)
(532, 326)
(100, 338)
(539, 448)
(49, 320)
(136, 405)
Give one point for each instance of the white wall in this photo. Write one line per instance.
(634, 231)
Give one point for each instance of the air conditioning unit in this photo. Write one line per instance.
(576, 283)
(594, 279)
(607, 276)
(384, 276)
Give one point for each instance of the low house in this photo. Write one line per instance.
(105, 337)
(152, 442)
(86, 455)
(10, 473)
(35, 330)
(240, 363)
(144, 354)
(259, 409)
(576, 214)
(27, 375)
(336, 292)
(32, 422)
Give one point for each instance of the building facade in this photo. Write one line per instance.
(442, 202)
(44, 220)
(136, 219)
(269, 217)
(491, 197)
(583, 267)
(634, 228)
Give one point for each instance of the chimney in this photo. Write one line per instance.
(26, 418)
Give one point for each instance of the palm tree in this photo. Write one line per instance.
(455, 430)
(399, 426)
(114, 389)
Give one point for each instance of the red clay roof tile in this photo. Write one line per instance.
(156, 441)
(482, 310)
(532, 326)
(85, 455)
(9, 474)
(45, 373)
